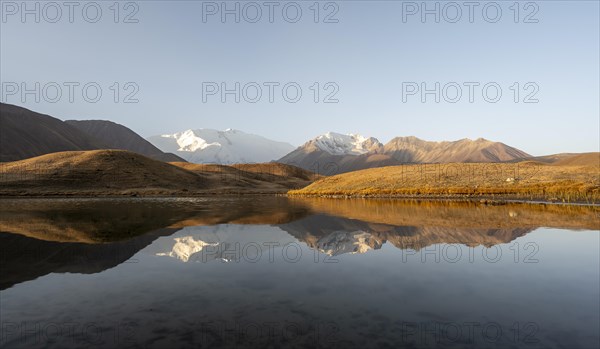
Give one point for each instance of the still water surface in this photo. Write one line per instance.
(276, 272)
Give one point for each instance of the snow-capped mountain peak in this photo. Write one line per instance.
(346, 144)
(221, 147)
(188, 141)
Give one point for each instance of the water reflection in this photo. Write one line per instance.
(91, 235)
(109, 220)
(24, 258)
(275, 272)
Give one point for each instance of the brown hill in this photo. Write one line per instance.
(564, 159)
(546, 159)
(287, 176)
(267, 176)
(585, 159)
(116, 136)
(25, 134)
(525, 181)
(415, 150)
(96, 171)
(402, 150)
(119, 172)
(276, 169)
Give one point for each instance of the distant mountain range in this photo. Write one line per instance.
(206, 146)
(25, 134)
(340, 153)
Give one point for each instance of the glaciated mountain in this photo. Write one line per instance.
(333, 153)
(350, 144)
(329, 153)
(204, 146)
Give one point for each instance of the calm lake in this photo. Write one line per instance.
(270, 272)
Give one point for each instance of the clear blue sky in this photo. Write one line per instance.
(368, 53)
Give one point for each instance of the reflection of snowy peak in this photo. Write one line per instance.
(340, 242)
(221, 147)
(350, 144)
(186, 247)
(220, 242)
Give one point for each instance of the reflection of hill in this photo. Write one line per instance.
(25, 258)
(335, 235)
(456, 214)
(100, 221)
(88, 221)
(415, 225)
(340, 242)
(88, 236)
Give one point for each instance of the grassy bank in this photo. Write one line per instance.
(123, 173)
(521, 181)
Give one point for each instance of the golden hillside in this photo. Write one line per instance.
(525, 180)
(585, 159)
(273, 176)
(119, 172)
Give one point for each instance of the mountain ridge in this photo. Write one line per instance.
(399, 150)
(118, 136)
(210, 146)
(27, 134)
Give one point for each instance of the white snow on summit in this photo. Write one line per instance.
(350, 144)
(231, 146)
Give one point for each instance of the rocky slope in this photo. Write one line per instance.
(116, 136)
(334, 153)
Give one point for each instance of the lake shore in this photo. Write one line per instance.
(483, 199)
(480, 200)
